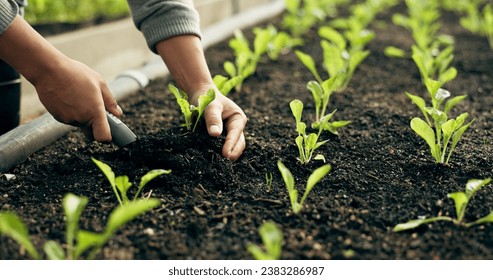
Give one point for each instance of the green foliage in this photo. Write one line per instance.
(225, 84)
(79, 242)
(313, 179)
(121, 184)
(461, 200)
(306, 143)
(12, 226)
(272, 239)
(321, 91)
(189, 111)
(438, 130)
(431, 52)
(73, 11)
(477, 21)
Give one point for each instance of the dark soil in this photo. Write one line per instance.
(382, 172)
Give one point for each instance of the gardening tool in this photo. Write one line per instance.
(120, 133)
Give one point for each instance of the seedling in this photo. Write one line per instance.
(461, 200)
(438, 130)
(306, 143)
(79, 242)
(121, 184)
(272, 239)
(479, 22)
(432, 53)
(190, 111)
(225, 84)
(321, 96)
(268, 180)
(313, 179)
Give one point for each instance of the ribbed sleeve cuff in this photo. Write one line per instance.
(8, 11)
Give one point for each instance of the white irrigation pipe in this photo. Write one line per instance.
(18, 144)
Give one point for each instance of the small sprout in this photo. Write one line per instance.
(189, 110)
(437, 129)
(313, 179)
(13, 227)
(225, 84)
(272, 239)
(461, 200)
(79, 242)
(268, 180)
(121, 184)
(306, 143)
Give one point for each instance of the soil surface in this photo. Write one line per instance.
(382, 172)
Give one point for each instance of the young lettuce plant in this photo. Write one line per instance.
(461, 200)
(272, 239)
(313, 179)
(437, 129)
(432, 53)
(479, 22)
(189, 111)
(79, 242)
(321, 91)
(225, 84)
(121, 184)
(306, 143)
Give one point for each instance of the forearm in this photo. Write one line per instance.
(28, 52)
(184, 57)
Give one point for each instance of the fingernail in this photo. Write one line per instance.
(119, 109)
(215, 130)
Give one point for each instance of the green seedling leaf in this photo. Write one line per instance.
(486, 219)
(204, 101)
(225, 85)
(73, 206)
(309, 63)
(87, 240)
(289, 181)
(297, 109)
(452, 102)
(432, 86)
(448, 75)
(125, 213)
(230, 68)
(461, 201)
(13, 227)
(314, 178)
(418, 222)
(123, 184)
(151, 175)
(53, 250)
(395, 52)
(424, 131)
(333, 36)
(272, 239)
(456, 137)
(110, 175)
(335, 60)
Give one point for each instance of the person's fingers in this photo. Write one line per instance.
(101, 128)
(109, 101)
(235, 139)
(213, 119)
(237, 150)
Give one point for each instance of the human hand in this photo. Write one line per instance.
(223, 108)
(76, 95)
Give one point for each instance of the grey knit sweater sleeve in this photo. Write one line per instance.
(8, 11)
(163, 19)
